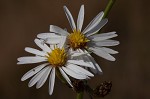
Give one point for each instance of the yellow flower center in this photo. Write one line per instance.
(77, 40)
(57, 57)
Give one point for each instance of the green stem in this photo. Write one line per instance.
(108, 8)
(80, 95)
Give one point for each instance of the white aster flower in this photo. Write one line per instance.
(88, 39)
(52, 58)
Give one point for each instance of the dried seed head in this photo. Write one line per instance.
(78, 85)
(103, 89)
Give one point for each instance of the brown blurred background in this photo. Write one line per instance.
(22, 20)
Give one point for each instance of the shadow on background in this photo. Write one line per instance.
(22, 20)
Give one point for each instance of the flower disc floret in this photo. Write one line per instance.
(57, 57)
(77, 40)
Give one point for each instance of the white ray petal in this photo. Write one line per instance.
(43, 79)
(107, 43)
(80, 62)
(100, 37)
(52, 46)
(71, 51)
(62, 41)
(86, 58)
(110, 51)
(73, 74)
(76, 53)
(35, 51)
(70, 18)
(98, 69)
(107, 34)
(51, 81)
(32, 72)
(102, 54)
(42, 45)
(97, 28)
(53, 40)
(80, 18)
(95, 71)
(94, 22)
(79, 70)
(31, 59)
(66, 77)
(58, 30)
(47, 35)
(36, 78)
(50, 38)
